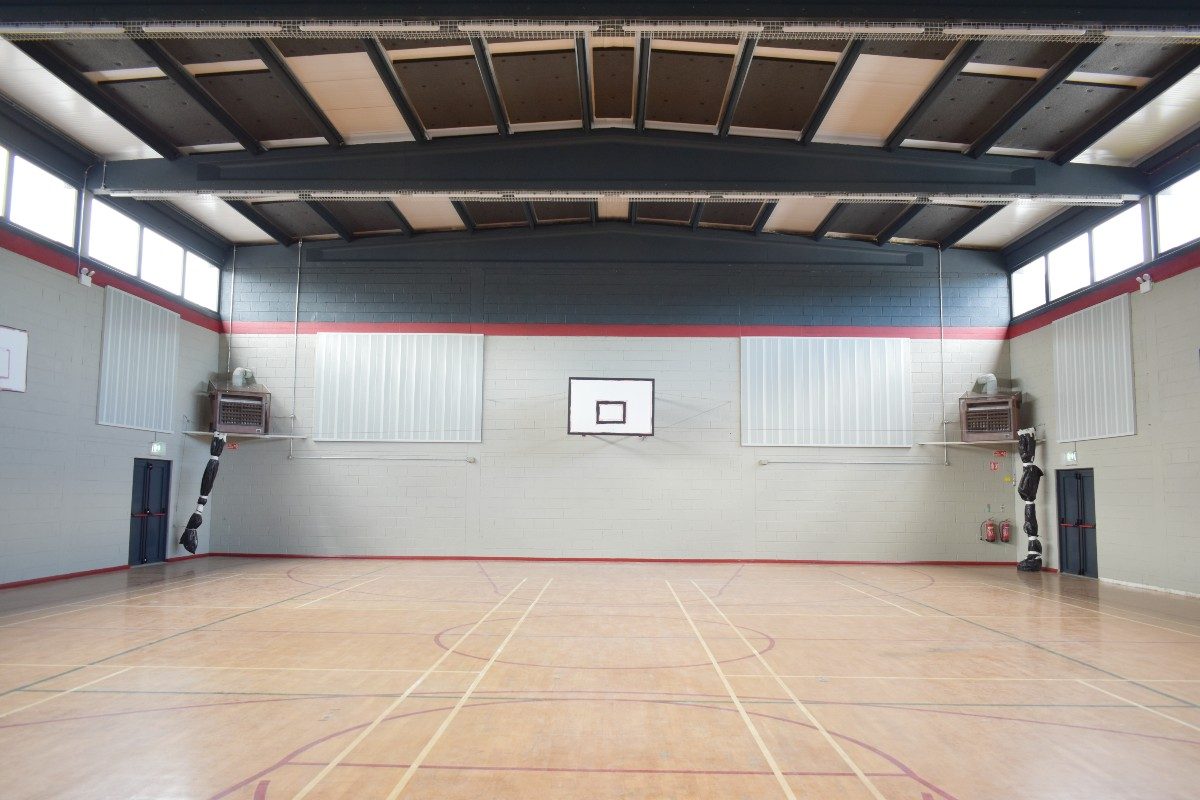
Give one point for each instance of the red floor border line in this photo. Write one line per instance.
(599, 560)
(64, 576)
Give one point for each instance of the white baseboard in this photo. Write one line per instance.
(1132, 585)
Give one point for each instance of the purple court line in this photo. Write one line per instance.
(495, 588)
(725, 585)
(628, 771)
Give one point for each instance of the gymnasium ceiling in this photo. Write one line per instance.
(323, 125)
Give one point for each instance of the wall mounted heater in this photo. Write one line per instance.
(240, 409)
(989, 417)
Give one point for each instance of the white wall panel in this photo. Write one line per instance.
(826, 392)
(138, 359)
(399, 387)
(1093, 373)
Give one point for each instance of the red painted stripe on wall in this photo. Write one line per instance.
(1176, 265)
(43, 254)
(601, 329)
(64, 576)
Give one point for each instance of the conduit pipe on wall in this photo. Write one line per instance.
(942, 358)
(467, 459)
(296, 331)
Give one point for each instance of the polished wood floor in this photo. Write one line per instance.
(256, 678)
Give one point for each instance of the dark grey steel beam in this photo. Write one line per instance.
(331, 220)
(1036, 94)
(832, 87)
(653, 161)
(1173, 162)
(764, 214)
(1181, 68)
(697, 212)
(401, 221)
(585, 82)
(186, 81)
(256, 217)
(277, 65)
(823, 228)
(739, 83)
(970, 224)
(484, 61)
(643, 82)
(124, 116)
(464, 215)
(530, 217)
(902, 219)
(961, 56)
(391, 81)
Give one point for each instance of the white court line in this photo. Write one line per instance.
(816, 723)
(964, 680)
(1096, 611)
(339, 591)
(1139, 705)
(762, 746)
(115, 602)
(882, 600)
(60, 694)
(365, 732)
(433, 740)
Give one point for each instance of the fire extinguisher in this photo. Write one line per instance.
(987, 531)
(1006, 531)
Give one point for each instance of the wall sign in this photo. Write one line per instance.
(14, 353)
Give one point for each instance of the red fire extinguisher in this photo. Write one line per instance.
(1006, 531)
(987, 530)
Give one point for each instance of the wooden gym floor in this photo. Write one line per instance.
(258, 678)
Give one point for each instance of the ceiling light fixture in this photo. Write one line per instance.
(213, 27)
(1012, 30)
(58, 30)
(515, 27)
(368, 27)
(685, 28)
(819, 27)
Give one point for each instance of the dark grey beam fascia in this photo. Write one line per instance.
(585, 82)
(487, 73)
(260, 220)
(277, 65)
(832, 87)
(739, 83)
(625, 161)
(60, 68)
(188, 83)
(1036, 94)
(950, 70)
(643, 83)
(391, 81)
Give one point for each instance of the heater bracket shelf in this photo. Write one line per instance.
(243, 437)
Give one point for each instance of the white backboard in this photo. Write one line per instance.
(610, 406)
(14, 350)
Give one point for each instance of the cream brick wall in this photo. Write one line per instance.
(1147, 485)
(66, 482)
(691, 491)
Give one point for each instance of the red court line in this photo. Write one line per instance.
(599, 560)
(63, 576)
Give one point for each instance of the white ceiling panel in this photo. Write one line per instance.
(429, 213)
(875, 97)
(799, 214)
(1012, 222)
(349, 91)
(1164, 119)
(613, 208)
(216, 214)
(30, 86)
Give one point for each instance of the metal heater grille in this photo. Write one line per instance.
(990, 417)
(238, 411)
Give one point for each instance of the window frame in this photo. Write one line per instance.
(76, 202)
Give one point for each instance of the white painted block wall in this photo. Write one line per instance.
(66, 482)
(691, 491)
(1147, 485)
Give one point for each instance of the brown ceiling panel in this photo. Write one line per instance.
(969, 107)
(565, 211)
(295, 218)
(169, 109)
(900, 48)
(1068, 110)
(740, 216)
(209, 51)
(865, 219)
(780, 94)
(665, 211)
(421, 44)
(538, 87)
(687, 87)
(447, 92)
(1142, 59)
(292, 47)
(91, 55)
(260, 103)
(496, 213)
(364, 217)
(935, 222)
(612, 79)
(1042, 55)
(823, 45)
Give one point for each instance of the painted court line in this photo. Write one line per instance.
(115, 602)
(433, 740)
(882, 600)
(365, 732)
(60, 694)
(803, 708)
(1098, 611)
(339, 591)
(1139, 705)
(762, 746)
